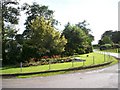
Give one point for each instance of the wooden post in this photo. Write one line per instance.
(72, 63)
(93, 60)
(109, 57)
(49, 65)
(21, 66)
(104, 57)
(83, 63)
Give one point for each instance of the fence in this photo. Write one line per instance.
(81, 61)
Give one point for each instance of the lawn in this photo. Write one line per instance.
(112, 50)
(93, 58)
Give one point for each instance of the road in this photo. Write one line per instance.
(102, 78)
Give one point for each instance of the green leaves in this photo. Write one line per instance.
(109, 40)
(78, 40)
(110, 37)
(36, 10)
(9, 13)
(10, 16)
(46, 38)
(40, 36)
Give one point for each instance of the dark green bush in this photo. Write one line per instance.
(105, 46)
(116, 46)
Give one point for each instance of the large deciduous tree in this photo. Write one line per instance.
(83, 26)
(34, 10)
(111, 37)
(40, 36)
(78, 41)
(10, 17)
(45, 38)
(116, 37)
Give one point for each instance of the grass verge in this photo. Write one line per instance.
(65, 72)
(112, 50)
(93, 58)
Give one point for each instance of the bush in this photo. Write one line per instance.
(80, 51)
(89, 49)
(116, 46)
(105, 46)
(96, 46)
(118, 50)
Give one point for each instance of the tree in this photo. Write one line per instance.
(34, 10)
(110, 37)
(83, 26)
(107, 40)
(116, 37)
(40, 36)
(77, 40)
(11, 51)
(10, 16)
(45, 39)
(100, 42)
(108, 33)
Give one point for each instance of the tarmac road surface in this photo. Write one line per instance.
(102, 78)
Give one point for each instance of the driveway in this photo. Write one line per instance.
(102, 78)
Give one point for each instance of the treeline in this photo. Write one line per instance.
(40, 37)
(109, 40)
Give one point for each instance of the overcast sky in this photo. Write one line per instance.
(102, 15)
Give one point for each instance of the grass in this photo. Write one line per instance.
(43, 74)
(112, 50)
(98, 59)
(64, 72)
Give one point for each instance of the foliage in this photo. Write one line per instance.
(112, 50)
(116, 37)
(45, 38)
(107, 40)
(40, 37)
(110, 37)
(10, 16)
(10, 47)
(105, 46)
(9, 12)
(83, 25)
(78, 40)
(99, 59)
(36, 10)
(116, 45)
(96, 46)
(35, 41)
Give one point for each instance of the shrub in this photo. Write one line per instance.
(105, 46)
(116, 46)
